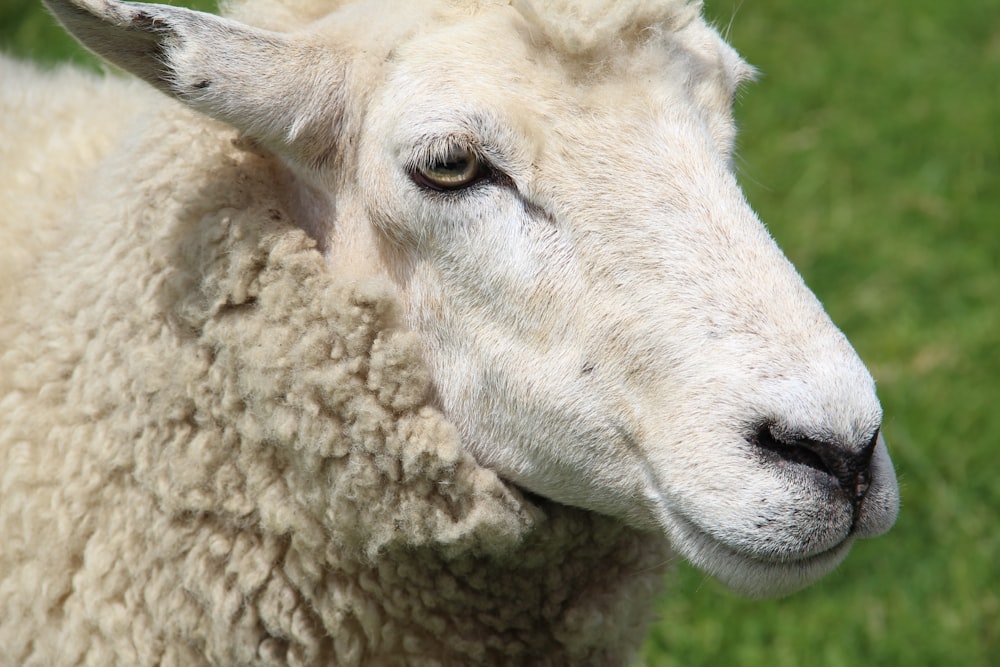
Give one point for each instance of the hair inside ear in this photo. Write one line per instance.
(284, 93)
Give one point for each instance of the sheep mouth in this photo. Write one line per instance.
(749, 572)
(771, 557)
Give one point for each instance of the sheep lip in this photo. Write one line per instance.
(762, 558)
(748, 573)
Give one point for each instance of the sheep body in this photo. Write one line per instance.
(212, 453)
(409, 350)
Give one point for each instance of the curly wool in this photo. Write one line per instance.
(211, 452)
(586, 29)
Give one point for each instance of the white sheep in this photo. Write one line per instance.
(424, 339)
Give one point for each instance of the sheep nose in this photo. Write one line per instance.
(849, 466)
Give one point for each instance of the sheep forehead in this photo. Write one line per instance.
(587, 30)
(595, 36)
(462, 58)
(597, 27)
(584, 54)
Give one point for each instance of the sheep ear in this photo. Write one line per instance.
(277, 90)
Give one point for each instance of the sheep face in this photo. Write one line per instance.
(606, 320)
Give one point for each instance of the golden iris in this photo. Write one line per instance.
(458, 170)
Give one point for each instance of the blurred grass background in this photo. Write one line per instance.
(870, 148)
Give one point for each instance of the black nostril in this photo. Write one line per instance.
(849, 466)
(796, 451)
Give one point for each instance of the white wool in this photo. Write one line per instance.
(596, 27)
(211, 452)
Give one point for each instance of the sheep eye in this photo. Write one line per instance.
(458, 170)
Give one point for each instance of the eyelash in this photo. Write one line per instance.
(444, 148)
(458, 169)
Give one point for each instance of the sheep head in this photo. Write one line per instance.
(550, 189)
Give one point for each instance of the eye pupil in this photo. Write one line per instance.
(453, 166)
(451, 173)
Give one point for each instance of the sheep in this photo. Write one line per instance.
(375, 342)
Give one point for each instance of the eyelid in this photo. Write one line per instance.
(440, 149)
(507, 153)
(445, 147)
(481, 170)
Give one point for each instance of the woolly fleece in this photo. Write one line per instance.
(212, 452)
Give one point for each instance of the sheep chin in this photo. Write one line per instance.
(752, 575)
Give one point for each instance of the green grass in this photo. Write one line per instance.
(870, 147)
